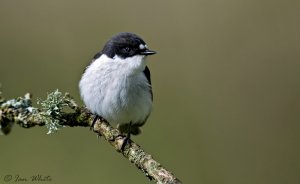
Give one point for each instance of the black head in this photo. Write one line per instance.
(126, 45)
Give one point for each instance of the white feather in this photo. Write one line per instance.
(117, 89)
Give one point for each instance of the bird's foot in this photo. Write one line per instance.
(127, 138)
(93, 123)
(125, 142)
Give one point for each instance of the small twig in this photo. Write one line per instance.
(20, 111)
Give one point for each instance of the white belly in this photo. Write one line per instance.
(108, 91)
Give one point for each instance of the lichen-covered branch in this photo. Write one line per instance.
(54, 116)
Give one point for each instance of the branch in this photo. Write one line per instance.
(52, 114)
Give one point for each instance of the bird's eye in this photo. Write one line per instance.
(127, 49)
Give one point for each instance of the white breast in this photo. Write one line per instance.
(117, 89)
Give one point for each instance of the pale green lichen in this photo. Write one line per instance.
(51, 110)
(23, 106)
(20, 102)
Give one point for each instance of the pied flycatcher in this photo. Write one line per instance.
(116, 85)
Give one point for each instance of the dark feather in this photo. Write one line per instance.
(94, 58)
(147, 74)
(97, 55)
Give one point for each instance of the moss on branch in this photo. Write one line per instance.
(60, 110)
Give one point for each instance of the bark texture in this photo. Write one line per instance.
(54, 116)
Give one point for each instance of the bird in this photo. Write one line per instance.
(116, 85)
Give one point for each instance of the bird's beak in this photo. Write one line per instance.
(147, 52)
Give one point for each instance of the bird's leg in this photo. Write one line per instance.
(94, 121)
(127, 138)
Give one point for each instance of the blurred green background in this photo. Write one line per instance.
(226, 87)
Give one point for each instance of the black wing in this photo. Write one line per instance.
(147, 74)
(94, 58)
(97, 55)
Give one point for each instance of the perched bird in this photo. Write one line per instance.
(117, 86)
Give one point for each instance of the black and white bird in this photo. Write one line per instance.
(117, 86)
